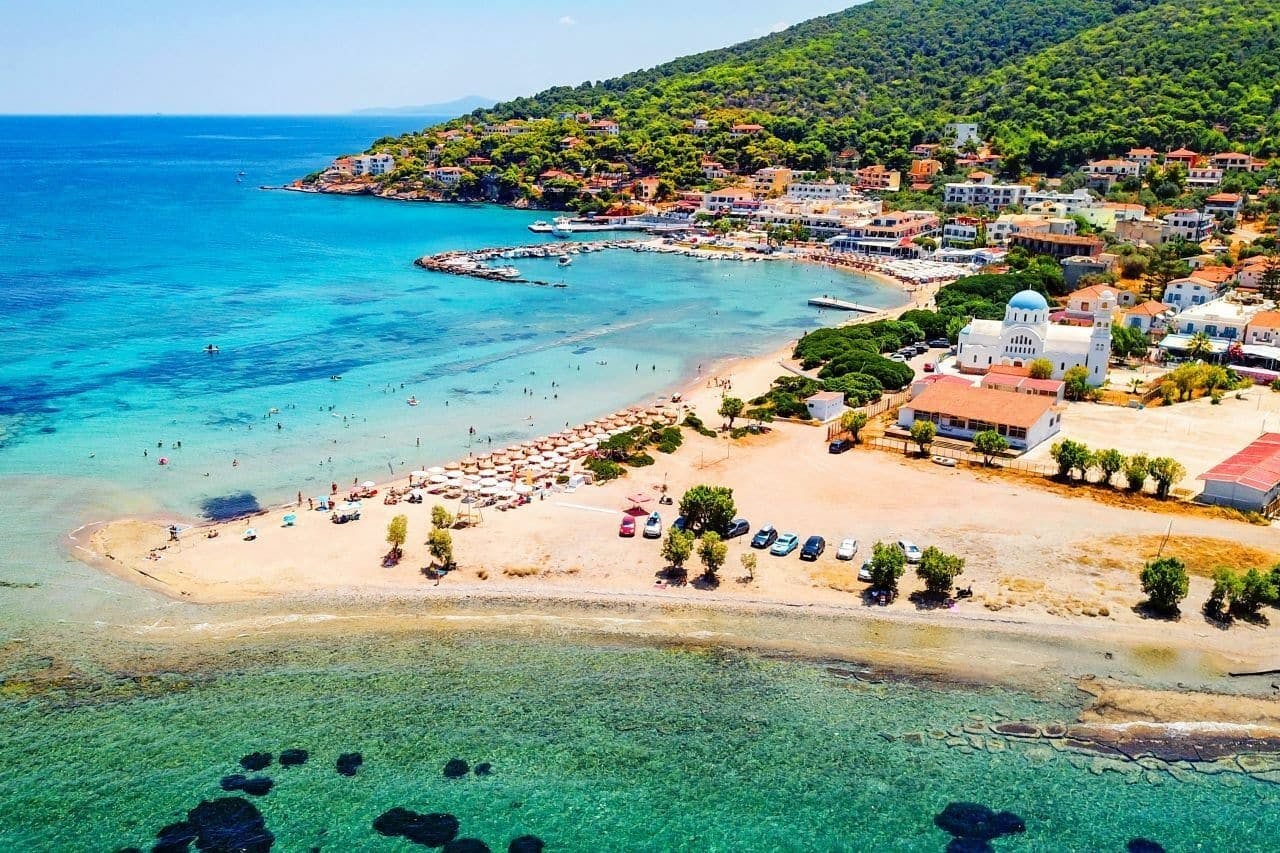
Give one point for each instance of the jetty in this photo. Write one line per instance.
(841, 305)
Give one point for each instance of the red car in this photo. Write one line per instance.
(627, 527)
(929, 367)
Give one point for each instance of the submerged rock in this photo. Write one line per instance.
(1143, 845)
(175, 838)
(455, 768)
(430, 830)
(349, 762)
(466, 845)
(256, 761)
(293, 757)
(258, 786)
(976, 822)
(526, 844)
(230, 825)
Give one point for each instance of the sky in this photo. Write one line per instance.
(325, 57)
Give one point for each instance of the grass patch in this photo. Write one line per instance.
(1201, 554)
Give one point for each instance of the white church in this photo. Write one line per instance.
(1026, 334)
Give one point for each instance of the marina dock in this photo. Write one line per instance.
(841, 305)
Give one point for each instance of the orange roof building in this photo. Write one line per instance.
(958, 411)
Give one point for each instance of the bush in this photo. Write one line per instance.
(1165, 583)
(859, 389)
(708, 507)
(1239, 595)
(640, 460)
(887, 565)
(939, 570)
(695, 423)
(604, 469)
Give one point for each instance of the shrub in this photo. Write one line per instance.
(1041, 368)
(441, 518)
(677, 548)
(604, 469)
(887, 565)
(708, 507)
(639, 460)
(712, 552)
(1136, 469)
(1070, 456)
(939, 570)
(1165, 583)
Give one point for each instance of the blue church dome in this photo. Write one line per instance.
(1028, 300)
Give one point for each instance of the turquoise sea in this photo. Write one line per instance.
(126, 246)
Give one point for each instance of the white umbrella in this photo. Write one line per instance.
(547, 466)
(417, 474)
(417, 493)
(489, 490)
(470, 486)
(576, 445)
(474, 478)
(488, 481)
(504, 469)
(535, 459)
(522, 488)
(599, 434)
(435, 469)
(368, 484)
(438, 478)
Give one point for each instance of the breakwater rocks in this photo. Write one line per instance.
(495, 264)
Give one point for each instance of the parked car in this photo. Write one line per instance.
(909, 550)
(897, 356)
(653, 527)
(737, 527)
(764, 537)
(846, 549)
(627, 527)
(920, 348)
(864, 571)
(940, 343)
(930, 367)
(813, 548)
(680, 524)
(786, 543)
(840, 445)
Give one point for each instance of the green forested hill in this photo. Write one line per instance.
(1050, 83)
(1165, 75)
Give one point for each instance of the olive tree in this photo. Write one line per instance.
(1165, 583)
(712, 552)
(677, 548)
(923, 433)
(939, 570)
(888, 563)
(990, 444)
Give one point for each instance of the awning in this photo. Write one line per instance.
(1183, 342)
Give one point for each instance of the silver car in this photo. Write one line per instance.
(847, 549)
(909, 550)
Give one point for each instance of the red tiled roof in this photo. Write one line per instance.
(1183, 152)
(1224, 198)
(1255, 467)
(1009, 370)
(982, 404)
(1266, 320)
(1151, 308)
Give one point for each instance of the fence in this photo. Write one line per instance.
(906, 447)
(884, 404)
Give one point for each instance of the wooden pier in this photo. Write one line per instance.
(841, 305)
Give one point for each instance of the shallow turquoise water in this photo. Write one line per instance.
(128, 246)
(593, 748)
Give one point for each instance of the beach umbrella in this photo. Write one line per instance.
(368, 484)
(417, 493)
(522, 488)
(575, 445)
(417, 474)
(528, 445)
(453, 466)
(484, 457)
(639, 499)
(503, 469)
(599, 435)
(535, 459)
(289, 519)
(438, 478)
(250, 534)
(470, 486)
(547, 466)
(489, 490)
(435, 469)
(488, 481)
(471, 478)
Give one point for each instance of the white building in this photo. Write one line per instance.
(961, 230)
(1248, 480)
(1026, 334)
(825, 405)
(818, 191)
(1193, 225)
(961, 133)
(992, 196)
(1184, 293)
(962, 411)
(372, 164)
(1221, 319)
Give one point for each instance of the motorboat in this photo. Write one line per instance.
(565, 260)
(211, 349)
(412, 401)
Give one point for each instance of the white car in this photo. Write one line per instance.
(846, 549)
(909, 550)
(653, 527)
(864, 573)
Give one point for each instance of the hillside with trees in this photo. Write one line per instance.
(1049, 84)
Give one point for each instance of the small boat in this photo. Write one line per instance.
(335, 378)
(944, 461)
(211, 349)
(412, 401)
(565, 260)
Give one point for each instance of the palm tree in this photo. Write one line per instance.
(1199, 346)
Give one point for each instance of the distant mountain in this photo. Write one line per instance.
(459, 106)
